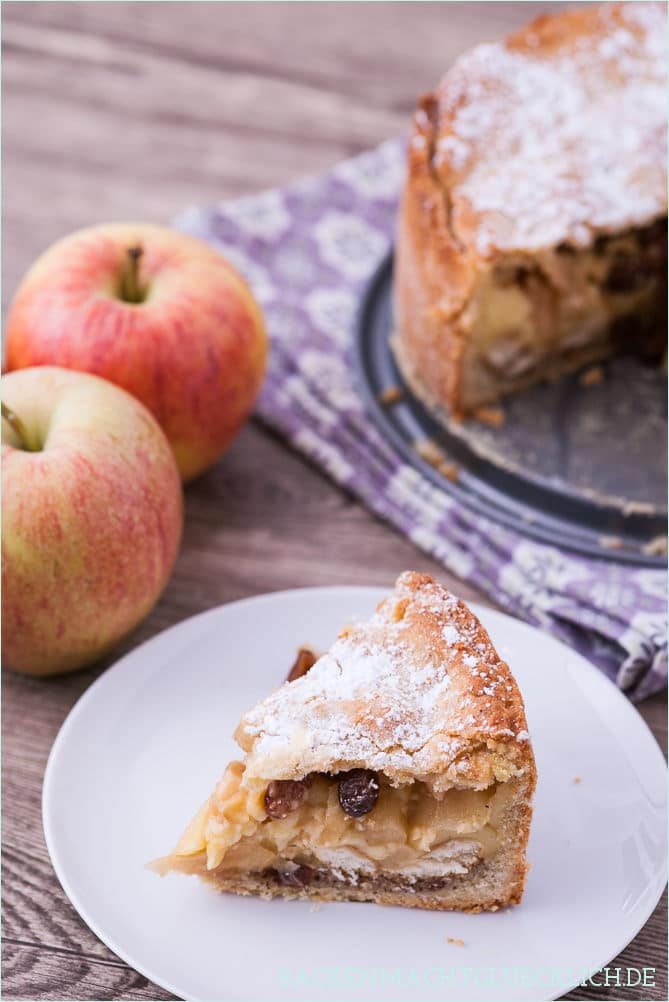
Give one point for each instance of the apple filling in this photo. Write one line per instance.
(537, 317)
(409, 833)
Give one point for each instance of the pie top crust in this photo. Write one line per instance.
(555, 135)
(416, 693)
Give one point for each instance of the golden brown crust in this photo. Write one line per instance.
(421, 695)
(481, 186)
(423, 609)
(426, 302)
(467, 898)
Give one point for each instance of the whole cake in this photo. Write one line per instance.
(533, 235)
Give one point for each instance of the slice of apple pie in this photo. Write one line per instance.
(398, 769)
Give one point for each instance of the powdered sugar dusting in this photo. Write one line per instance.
(450, 634)
(547, 143)
(365, 681)
(416, 673)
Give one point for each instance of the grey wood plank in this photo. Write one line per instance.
(58, 974)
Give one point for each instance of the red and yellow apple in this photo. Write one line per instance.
(157, 312)
(91, 517)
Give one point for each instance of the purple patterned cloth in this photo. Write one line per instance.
(307, 251)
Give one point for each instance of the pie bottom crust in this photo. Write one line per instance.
(476, 891)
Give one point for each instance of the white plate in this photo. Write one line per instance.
(144, 745)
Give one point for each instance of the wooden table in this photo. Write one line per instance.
(130, 111)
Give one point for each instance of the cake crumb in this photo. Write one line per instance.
(450, 471)
(391, 395)
(492, 416)
(656, 547)
(577, 780)
(456, 942)
(592, 376)
(639, 508)
(611, 542)
(428, 450)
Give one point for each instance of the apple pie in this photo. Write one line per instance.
(397, 769)
(532, 236)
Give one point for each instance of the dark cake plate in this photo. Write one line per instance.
(581, 467)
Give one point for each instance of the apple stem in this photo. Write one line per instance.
(131, 288)
(19, 428)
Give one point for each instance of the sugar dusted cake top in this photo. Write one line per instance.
(558, 132)
(406, 693)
